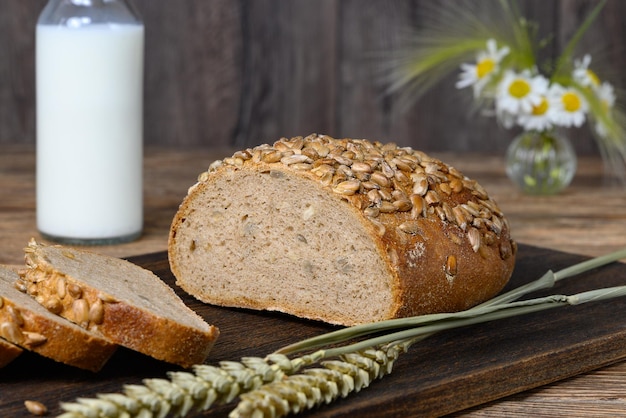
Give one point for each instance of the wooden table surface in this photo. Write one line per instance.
(589, 218)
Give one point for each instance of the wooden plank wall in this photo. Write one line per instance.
(237, 73)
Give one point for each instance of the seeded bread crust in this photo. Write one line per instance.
(121, 301)
(409, 235)
(27, 324)
(8, 352)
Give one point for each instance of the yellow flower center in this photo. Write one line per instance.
(484, 67)
(571, 101)
(541, 108)
(519, 88)
(595, 80)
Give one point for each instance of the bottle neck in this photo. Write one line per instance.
(78, 13)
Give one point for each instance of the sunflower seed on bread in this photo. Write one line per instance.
(345, 231)
(117, 299)
(27, 324)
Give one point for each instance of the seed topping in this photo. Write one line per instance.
(53, 304)
(36, 408)
(96, 312)
(75, 291)
(34, 339)
(80, 311)
(381, 179)
(11, 331)
(15, 315)
(473, 235)
(410, 227)
(451, 268)
(61, 289)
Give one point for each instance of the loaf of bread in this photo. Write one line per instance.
(25, 323)
(339, 230)
(123, 302)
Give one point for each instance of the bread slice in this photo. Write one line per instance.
(339, 230)
(27, 324)
(125, 303)
(8, 352)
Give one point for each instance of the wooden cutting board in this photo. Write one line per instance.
(445, 373)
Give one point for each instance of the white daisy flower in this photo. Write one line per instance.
(606, 94)
(478, 75)
(570, 106)
(583, 75)
(540, 118)
(518, 92)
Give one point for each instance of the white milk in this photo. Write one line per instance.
(89, 132)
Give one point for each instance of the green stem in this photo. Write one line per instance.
(590, 264)
(549, 278)
(524, 51)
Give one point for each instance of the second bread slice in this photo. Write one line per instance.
(125, 303)
(27, 324)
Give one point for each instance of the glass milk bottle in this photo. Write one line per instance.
(89, 83)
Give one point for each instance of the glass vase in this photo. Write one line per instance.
(541, 163)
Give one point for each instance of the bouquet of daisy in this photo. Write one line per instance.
(528, 98)
(495, 49)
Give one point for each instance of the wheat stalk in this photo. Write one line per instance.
(320, 385)
(183, 391)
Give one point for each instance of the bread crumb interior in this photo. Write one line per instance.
(294, 248)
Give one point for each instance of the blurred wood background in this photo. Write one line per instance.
(237, 73)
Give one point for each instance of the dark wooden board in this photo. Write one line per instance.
(445, 373)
